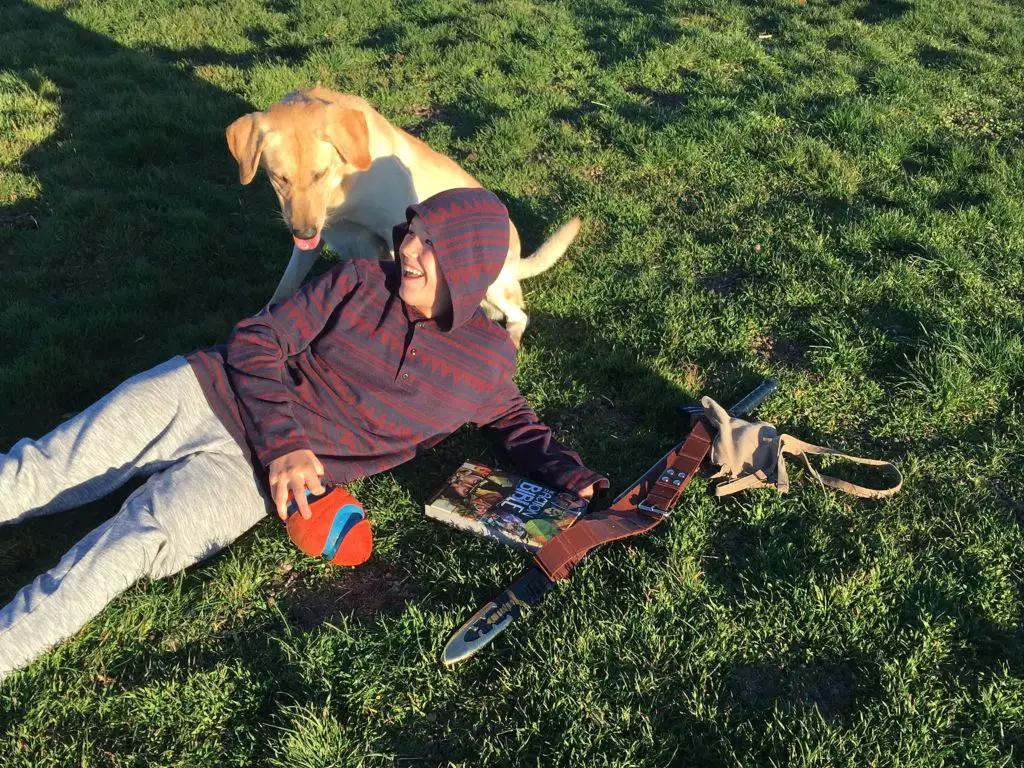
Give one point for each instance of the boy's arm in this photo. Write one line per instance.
(260, 345)
(513, 425)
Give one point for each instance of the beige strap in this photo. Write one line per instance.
(795, 447)
(756, 479)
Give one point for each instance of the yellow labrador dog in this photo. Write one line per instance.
(345, 175)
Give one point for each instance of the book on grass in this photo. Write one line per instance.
(500, 505)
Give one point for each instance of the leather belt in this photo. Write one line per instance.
(637, 510)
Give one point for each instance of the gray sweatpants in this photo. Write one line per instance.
(201, 495)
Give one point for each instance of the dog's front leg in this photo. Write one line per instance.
(298, 267)
(350, 240)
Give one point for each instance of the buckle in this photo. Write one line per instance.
(653, 509)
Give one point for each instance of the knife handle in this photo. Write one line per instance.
(755, 398)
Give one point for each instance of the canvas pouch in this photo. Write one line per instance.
(753, 455)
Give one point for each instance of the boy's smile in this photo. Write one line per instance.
(423, 286)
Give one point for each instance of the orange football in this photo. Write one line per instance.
(337, 531)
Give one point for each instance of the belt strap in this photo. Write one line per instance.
(637, 510)
(679, 468)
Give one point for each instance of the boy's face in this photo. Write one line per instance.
(423, 286)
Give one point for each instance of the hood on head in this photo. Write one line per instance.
(469, 229)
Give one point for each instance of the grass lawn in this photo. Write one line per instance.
(827, 192)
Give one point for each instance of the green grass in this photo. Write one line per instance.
(829, 192)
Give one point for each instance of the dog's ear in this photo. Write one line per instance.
(346, 129)
(245, 140)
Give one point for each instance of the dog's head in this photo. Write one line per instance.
(307, 146)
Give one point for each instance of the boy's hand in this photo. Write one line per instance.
(295, 472)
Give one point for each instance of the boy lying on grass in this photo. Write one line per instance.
(366, 366)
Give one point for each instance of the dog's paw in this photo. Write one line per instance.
(516, 334)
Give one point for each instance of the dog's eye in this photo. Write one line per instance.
(282, 180)
(320, 175)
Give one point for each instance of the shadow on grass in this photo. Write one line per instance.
(784, 550)
(392, 35)
(937, 58)
(464, 116)
(36, 545)
(835, 686)
(263, 53)
(140, 230)
(980, 649)
(620, 30)
(981, 644)
(881, 11)
(133, 248)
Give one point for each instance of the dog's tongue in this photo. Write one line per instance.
(309, 244)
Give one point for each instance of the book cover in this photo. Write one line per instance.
(501, 505)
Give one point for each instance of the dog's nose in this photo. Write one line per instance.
(304, 234)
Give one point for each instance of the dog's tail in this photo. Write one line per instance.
(545, 257)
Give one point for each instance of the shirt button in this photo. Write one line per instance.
(412, 352)
(405, 375)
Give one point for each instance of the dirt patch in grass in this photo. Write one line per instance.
(720, 284)
(880, 12)
(658, 98)
(998, 487)
(779, 350)
(833, 687)
(372, 589)
(599, 412)
(18, 221)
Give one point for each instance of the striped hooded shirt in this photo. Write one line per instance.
(345, 369)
